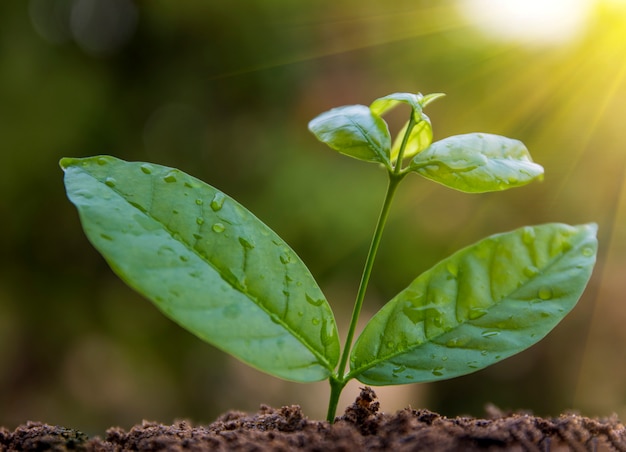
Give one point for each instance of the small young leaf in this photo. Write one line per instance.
(421, 137)
(477, 163)
(383, 104)
(355, 131)
(207, 263)
(484, 303)
(417, 102)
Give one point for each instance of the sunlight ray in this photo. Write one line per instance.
(344, 35)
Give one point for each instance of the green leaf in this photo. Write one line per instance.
(417, 102)
(384, 104)
(421, 137)
(484, 303)
(355, 131)
(207, 263)
(477, 163)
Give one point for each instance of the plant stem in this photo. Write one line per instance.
(339, 382)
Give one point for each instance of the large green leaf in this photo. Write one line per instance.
(477, 163)
(479, 306)
(355, 131)
(207, 263)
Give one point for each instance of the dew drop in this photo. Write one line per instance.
(197, 236)
(528, 235)
(170, 177)
(110, 182)
(199, 201)
(490, 333)
(313, 301)
(531, 271)
(399, 369)
(106, 237)
(200, 221)
(545, 293)
(218, 201)
(444, 358)
(218, 227)
(246, 243)
(285, 259)
(146, 169)
(484, 352)
(390, 344)
(476, 313)
(102, 161)
(300, 313)
(165, 251)
(588, 251)
(175, 212)
(438, 371)
(315, 321)
(184, 258)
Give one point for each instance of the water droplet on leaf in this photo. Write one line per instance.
(218, 227)
(218, 201)
(545, 293)
(245, 243)
(438, 371)
(315, 321)
(313, 301)
(528, 235)
(490, 333)
(110, 182)
(146, 169)
(587, 251)
(285, 259)
(200, 221)
(476, 313)
(170, 178)
(199, 201)
(531, 271)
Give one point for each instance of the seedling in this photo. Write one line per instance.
(215, 269)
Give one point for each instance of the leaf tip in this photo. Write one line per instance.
(66, 162)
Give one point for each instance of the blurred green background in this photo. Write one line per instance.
(224, 91)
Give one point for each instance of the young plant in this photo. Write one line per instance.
(215, 269)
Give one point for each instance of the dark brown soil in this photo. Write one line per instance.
(361, 428)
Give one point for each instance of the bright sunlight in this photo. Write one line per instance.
(529, 21)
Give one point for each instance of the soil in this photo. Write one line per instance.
(361, 428)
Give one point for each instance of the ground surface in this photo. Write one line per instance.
(360, 428)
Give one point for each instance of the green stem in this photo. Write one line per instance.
(398, 166)
(339, 382)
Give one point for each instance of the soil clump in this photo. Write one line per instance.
(362, 427)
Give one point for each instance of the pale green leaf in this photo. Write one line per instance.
(421, 137)
(384, 104)
(355, 131)
(484, 303)
(477, 162)
(207, 263)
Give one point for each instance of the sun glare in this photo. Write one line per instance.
(529, 21)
